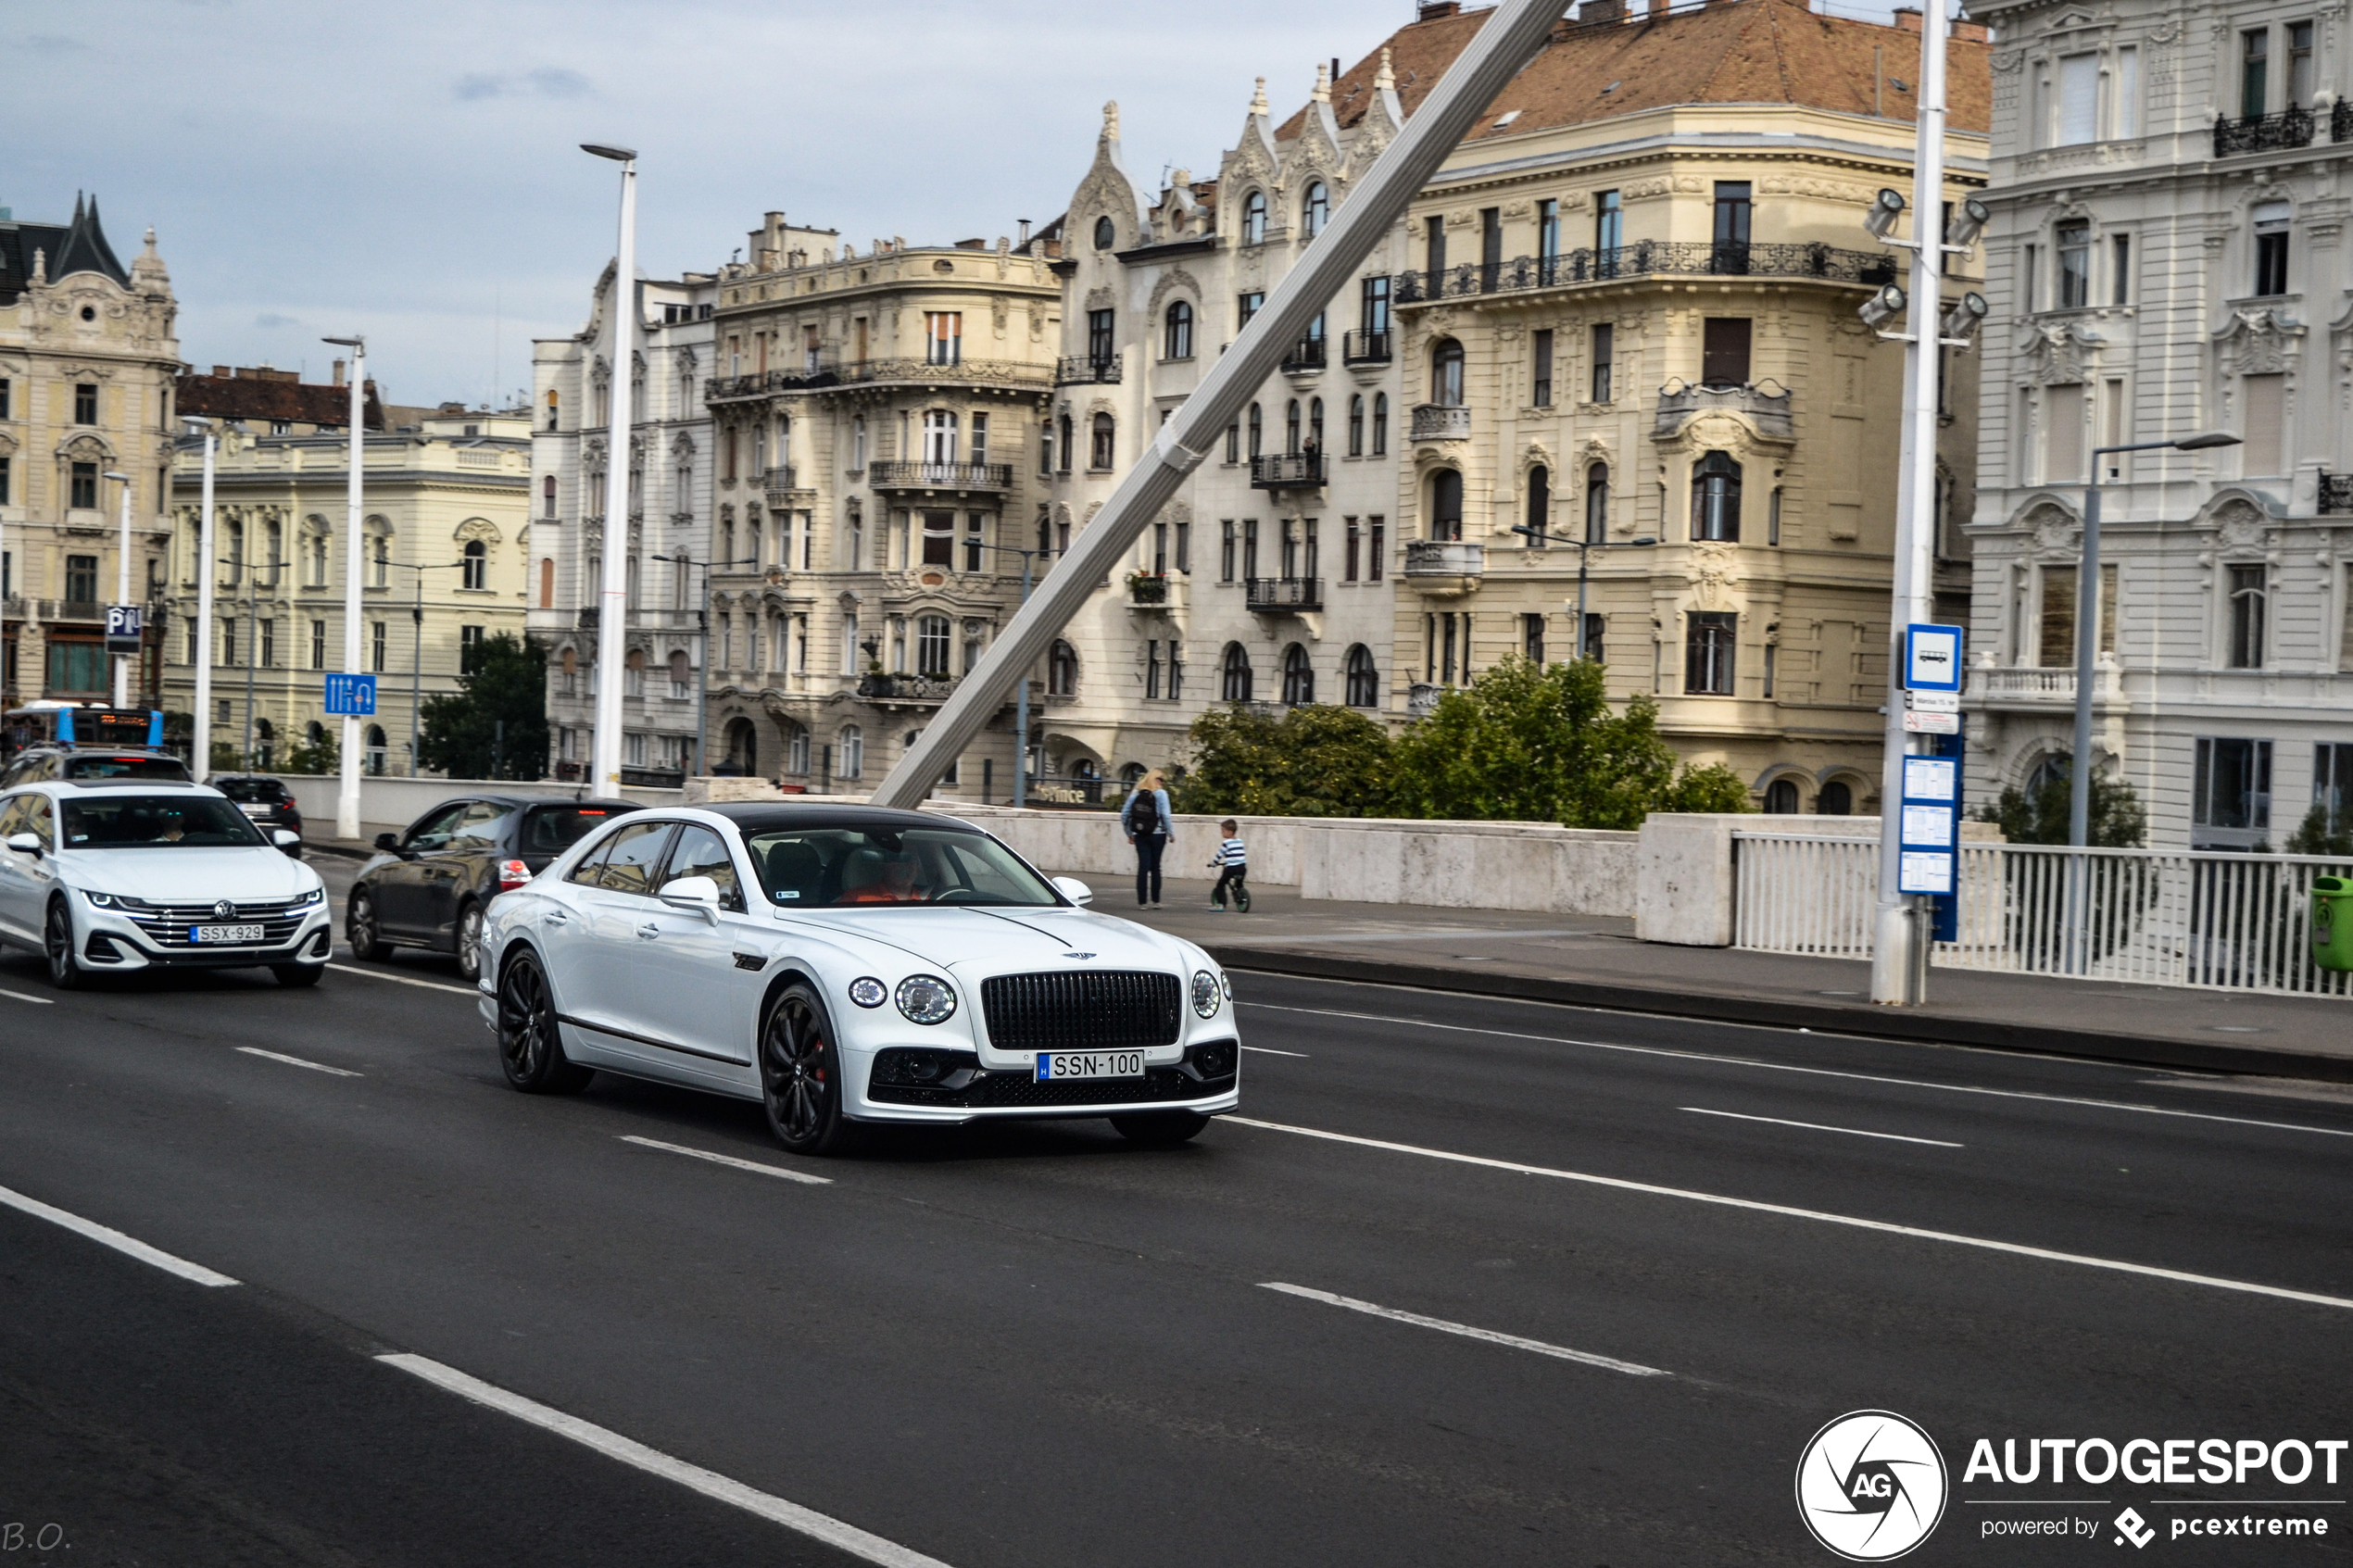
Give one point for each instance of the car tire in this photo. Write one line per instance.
(57, 945)
(1159, 1129)
(298, 974)
(469, 943)
(531, 1046)
(801, 1082)
(361, 933)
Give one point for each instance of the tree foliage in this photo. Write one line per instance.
(1314, 761)
(461, 735)
(325, 758)
(2041, 816)
(2312, 836)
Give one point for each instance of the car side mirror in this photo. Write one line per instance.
(388, 843)
(284, 839)
(25, 842)
(699, 894)
(1074, 890)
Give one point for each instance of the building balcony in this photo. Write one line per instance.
(1647, 259)
(1297, 470)
(2039, 690)
(587, 619)
(2264, 132)
(1366, 348)
(1305, 356)
(826, 374)
(815, 373)
(1421, 699)
(1083, 368)
(1768, 412)
(920, 691)
(940, 476)
(781, 484)
(73, 609)
(1441, 421)
(1445, 558)
(2336, 493)
(1155, 591)
(1283, 596)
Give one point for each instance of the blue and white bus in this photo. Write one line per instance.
(66, 723)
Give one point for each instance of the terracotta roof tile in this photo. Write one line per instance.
(250, 397)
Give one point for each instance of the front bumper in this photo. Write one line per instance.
(108, 941)
(1206, 1079)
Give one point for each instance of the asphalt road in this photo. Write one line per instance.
(1025, 1348)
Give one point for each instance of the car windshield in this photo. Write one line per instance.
(551, 830)
(253, 792)
(841, 867)
(156, 821)
(104, 767)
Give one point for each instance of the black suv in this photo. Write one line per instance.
(427, 888)
(265, 802)
(54, 764)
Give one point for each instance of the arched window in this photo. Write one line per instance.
(1315, 210)
(853, 752)
(1290, 428)
(551, 407)
(1257, 432)
(1446, 373)
(1130, 775)
(1356, 425)
(476, 560)
(1446, 504)
(1236, 685)
(1298, 677)
(1837, 799)
(264, 739)
(1597, 504)
(1540, 501)
(1106, 235)
(743, 747)
(1781, 798)
(1380, 424)
(1176, 331)
(1315, 424)
(1363, 679)
(547, 582)
(1099, 456)
(1062, 670)
(547, 491)
(375, 748)
(1716, 498)
(931, 645)
(1255, 217)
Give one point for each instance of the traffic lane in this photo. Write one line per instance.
(2208, 1196)
(149, 1420)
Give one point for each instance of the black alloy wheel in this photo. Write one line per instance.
(1159, 1129)
(800, 1076)
(360, 930)
(531, 1051)
(470, 944)
(57, 945)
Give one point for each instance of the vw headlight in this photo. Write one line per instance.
(869, 992)
(316, 896)
(122, 901)
(926, 998)
(1207, 994)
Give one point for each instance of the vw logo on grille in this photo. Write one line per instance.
(1079, 955)
(224, 910)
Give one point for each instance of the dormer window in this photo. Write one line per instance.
(1254, 218)
(1105, 234)
(1315, 210)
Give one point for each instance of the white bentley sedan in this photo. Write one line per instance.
(111, 876)
(848, 965)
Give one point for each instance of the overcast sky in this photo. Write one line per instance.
(409, 170)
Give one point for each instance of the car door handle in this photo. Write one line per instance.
(557, 917)
(649, 930)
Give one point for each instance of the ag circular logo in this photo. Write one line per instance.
(1871, 1486)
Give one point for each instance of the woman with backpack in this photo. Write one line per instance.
(1146, 820)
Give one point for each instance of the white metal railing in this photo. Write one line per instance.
(2038, 685)
(2147, 916)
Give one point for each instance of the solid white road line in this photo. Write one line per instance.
(403, 979)
(711, 1484)
(1755, 1206)
(729, 1159)
(1810, 1072)
(1264, 1050)
(41, 1002)
(1818, 1127)
(298, 1062)
(1466, 1331)
(108, 1235)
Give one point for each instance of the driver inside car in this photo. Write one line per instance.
(883, 879)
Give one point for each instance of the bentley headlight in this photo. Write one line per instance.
(926, 998)
(869, 992)
(1207, 994)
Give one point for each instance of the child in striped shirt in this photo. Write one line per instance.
(1233, 858)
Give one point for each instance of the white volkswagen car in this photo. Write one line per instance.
(848, 965)
(111, 876)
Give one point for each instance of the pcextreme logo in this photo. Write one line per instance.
(1871, 1486)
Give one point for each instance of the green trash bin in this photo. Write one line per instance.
(2332, 923)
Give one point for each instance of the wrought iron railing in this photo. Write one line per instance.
(1080, 369)
(2335, 493)
(1297, 470)
(1648, 258)
(986, 372)
(781, 478)
(906, 688)
(1421, 699)
(1366, 348)
(1307, 353)
(940, 476)
(2264, 132)
(2341, 121)
(1284, 593)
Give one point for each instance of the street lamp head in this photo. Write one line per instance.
(619, 155)
(1967, 222)
(1644, 540)
(1967, 315)
(357, 344)
(1887, 303)
(124, 477)
(1886, 207)
(2205, 439)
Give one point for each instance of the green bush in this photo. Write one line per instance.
(2117, 820)
(2312, 836)
(1314, 761)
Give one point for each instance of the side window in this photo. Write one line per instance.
(12, 816)
(636, 855)
(433, 832)
(590, 872)
(38, 821)
(479, 827)
(701, 852)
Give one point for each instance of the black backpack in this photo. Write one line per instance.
(1140, 816)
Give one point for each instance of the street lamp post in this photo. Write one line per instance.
(702, 683)
(201, 763)
(122, 590)
(347, 791)
(1538, 539)
(613, 599)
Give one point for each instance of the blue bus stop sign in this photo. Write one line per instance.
(352, 695)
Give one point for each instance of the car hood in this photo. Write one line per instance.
(1008, 941)
(186, 876)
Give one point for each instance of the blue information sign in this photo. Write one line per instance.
(1931, 658)
(352, 695)
(123, 628)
